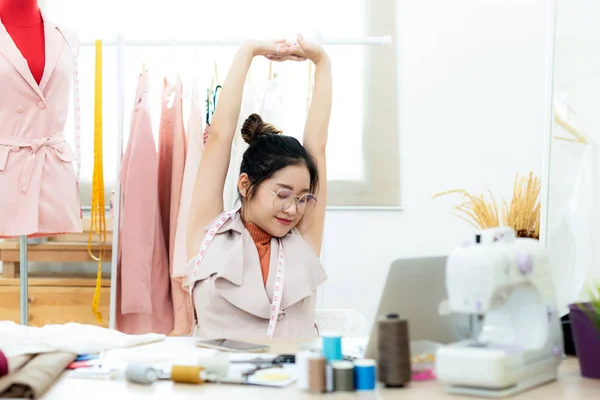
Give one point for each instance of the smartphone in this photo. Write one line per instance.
(233, 346)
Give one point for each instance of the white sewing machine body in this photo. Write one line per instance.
(520, 345)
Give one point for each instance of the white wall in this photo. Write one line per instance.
(472, 112)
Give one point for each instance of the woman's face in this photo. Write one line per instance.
(274, 206)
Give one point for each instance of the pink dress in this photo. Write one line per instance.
(144, 302)
(172, 151)
(195, 149)
(39, 191)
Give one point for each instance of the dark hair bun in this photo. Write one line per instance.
(254, 127)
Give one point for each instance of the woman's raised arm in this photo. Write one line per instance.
(315, 139)
(207, 196)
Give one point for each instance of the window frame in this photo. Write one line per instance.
(381, 150)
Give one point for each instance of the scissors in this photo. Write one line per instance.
(257, 368)
(277, 361)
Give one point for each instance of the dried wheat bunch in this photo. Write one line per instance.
(522, 214)
(476, 210)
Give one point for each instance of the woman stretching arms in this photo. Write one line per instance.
(254, 272)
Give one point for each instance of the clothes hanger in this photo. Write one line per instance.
(215, 99)
(212, 94)
(215, 93)
(208, 107)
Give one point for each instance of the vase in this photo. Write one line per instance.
(586, 336)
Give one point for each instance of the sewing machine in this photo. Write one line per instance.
(520, 346)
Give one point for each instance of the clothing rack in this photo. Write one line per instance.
(359, 41)
(121, 43)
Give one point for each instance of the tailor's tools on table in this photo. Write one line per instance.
(395, 369)
(329, 371)
(316, 373)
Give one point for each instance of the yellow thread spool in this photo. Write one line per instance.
(98, 217)
(186, 374)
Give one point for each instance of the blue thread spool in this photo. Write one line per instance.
(364, 374)
(332, 348)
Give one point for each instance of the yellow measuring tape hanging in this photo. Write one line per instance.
(98, 217)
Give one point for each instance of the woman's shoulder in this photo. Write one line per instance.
(225, 221)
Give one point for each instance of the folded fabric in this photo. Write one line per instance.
(70, 338)
(16, 362)
(35, 377)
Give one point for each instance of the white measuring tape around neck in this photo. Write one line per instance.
(77, 112)
(279, 277)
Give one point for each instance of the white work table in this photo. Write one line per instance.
(570, 385)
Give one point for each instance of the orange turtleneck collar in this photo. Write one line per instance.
(262, 240)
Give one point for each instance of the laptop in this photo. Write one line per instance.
(415, 289)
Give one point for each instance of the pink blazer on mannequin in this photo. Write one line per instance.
(37, 178)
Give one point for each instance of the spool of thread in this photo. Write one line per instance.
(3, 364)
(217, 365)
(316, 373)
(393, 349)
(187, 374)
(343, 376)
(364, 374)
(302, 358)
(329, 378)
(139, 373)
(332, 348)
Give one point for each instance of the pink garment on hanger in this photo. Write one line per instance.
(144, 303)
(195, 149)
(172, 150)
(39, 194)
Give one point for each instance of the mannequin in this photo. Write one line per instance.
(37, 74)
(23, 22)
(38, 62)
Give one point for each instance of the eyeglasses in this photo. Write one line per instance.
(285, 198)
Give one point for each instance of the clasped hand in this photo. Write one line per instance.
(283, 50)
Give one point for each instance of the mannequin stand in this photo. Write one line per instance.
(23, 278)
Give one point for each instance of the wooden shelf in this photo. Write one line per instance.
(54, 304)
(49, 252)
(54, 246)
(56, 298)
(63, 281)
